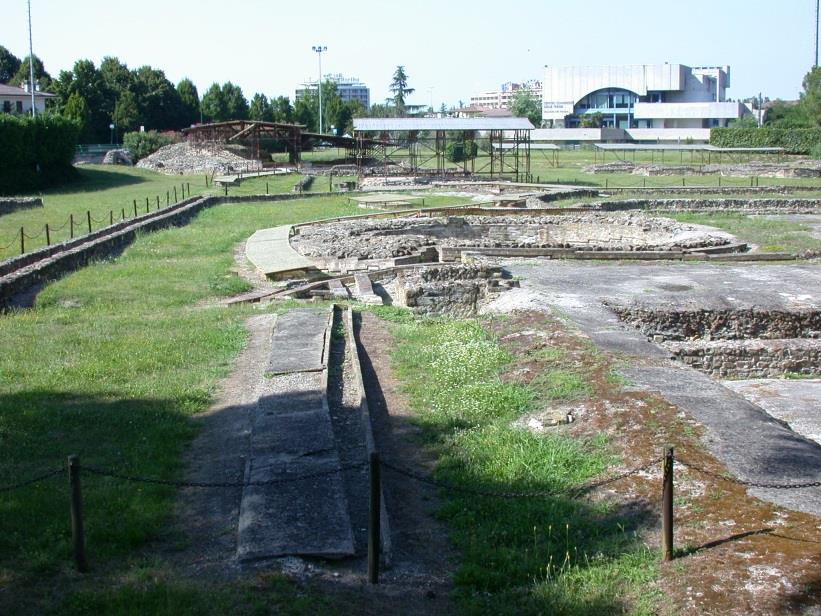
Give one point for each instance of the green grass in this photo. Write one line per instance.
(769, 234)
(548, 555)
(110, 365)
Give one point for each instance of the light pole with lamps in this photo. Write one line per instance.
(319, 49)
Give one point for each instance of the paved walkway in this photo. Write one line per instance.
(271, 253)
(753, 445)
(292, 436)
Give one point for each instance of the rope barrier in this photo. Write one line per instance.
(32, 481)
(221, 484)
(749, 484)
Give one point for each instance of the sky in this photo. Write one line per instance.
(451, 49)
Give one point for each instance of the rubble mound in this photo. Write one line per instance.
(190, 158)
(118, 157)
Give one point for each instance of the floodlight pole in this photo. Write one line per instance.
(31, 65)
(319, 49)
(817, 2)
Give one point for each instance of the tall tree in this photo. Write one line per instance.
(189, 103)
(306, 111)
(213, 104)
(77, 109)
(811, 96)
(261, 108)
(157, 98)
(525, 104)
(400, 89)
(9, 65)
(283, 110)
(42, 79)
(331, 107)
(235, 104)
(126, 115)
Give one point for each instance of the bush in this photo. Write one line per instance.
(143, 144)
(36, 152)
(793, 140)
(816, 151)
(458, 151)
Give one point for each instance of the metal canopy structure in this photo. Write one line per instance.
(621, 151)
(420, 145)
(249, 132)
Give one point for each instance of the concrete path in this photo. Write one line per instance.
(753, 445)
(271, 253)
(292, 436)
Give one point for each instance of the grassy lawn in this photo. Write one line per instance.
(551, 555)
(111, 364)
(769, 234)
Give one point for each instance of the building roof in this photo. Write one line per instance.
(7, 90)
(403, 124)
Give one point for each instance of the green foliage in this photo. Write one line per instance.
(747, 121)
(189, 103)
(815, 152)
(794, 141)
(461, 150)
(261, 108)
(143, 144)
(9, 65)
(593, 120)
(35, 152)
(400, 89)
(223, 103)
(811, 97)
(126, 116)
(525, 104)
(77, 110)
(41, 78)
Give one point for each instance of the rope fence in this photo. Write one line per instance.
(374, 466)
(48, 230)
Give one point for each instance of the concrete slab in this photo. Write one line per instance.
(794, 401)
(270, 252)
(298, 344)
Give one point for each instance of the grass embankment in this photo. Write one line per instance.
(111, 364)
(769, 234)
(105, 191)
(519, 555)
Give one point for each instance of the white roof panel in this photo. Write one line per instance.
(407, 124)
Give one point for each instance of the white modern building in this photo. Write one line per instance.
(18, 100)
(644, 97)
(348, 88)
(502, 98)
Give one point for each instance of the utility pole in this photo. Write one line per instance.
(319, 49)
(31, 66)
(817, 2)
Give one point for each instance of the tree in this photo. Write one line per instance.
(747, 121)
(400, 89)
(811, 97)
(784, 114)
(235, 104)
(126, 115)
(157, 98)
(42, 79)
(189, 103)
(526, 105)
(305, 112)
(283, 110)
(9, 65)
(331, 107)
(213, 104)
(77, 109)
(593, 120)
(261, 108)
(116, 76)
(344, 119)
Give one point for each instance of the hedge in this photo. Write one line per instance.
(35, 152)
(793, 140)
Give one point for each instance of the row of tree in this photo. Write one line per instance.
(129, 98)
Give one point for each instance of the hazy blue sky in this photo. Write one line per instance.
(456, 48)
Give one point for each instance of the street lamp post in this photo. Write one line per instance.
(111, 127)
(319, 49)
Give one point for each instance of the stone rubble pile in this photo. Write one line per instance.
(793, 169)
(118, 157)
(187, 158)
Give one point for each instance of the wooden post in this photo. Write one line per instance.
(48, 236)
(719, 180)
(110, 217)
(168, 198)
(22, 240)
(71, 225)
(77, 533)
(682, 181)
(667, 507)
(374, 538)
(147, 206)
(175, 194)
(158, 202)
(135, 208)
(266, 188)
(188, 185)
(122, 211)
(88, 219)
(225, 186)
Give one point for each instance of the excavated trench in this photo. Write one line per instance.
(737, 344)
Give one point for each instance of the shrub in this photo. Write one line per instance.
(815, 152)
(458, 151)
(145, 143)
(793, 140)
(36, 152)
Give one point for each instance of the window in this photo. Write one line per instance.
(19, 106)
(6, 106)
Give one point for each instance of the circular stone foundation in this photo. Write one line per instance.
(397, 237)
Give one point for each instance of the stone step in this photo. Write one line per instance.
(364, 290)
(338, 289)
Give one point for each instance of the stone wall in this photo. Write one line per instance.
(747, 206)
(12, 204)
(705, 324)
(750, 359)
(447, 290)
